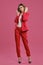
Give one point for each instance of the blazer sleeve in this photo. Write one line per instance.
(25, 16)
(16, 19)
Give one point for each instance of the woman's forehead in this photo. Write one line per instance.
(20, 6)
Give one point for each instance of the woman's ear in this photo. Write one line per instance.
(26, 9)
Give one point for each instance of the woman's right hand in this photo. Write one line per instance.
(17, 13)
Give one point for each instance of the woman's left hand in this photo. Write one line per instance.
(26, 9)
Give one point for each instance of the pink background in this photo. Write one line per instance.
(35, 35)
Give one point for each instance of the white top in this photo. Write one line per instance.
(19, 23)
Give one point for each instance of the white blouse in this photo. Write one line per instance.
(19, 23)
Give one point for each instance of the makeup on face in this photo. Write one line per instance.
(21, 8)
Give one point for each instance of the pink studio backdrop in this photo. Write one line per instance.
(35, 35)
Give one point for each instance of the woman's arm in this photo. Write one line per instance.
(25, 15)
(17, 15)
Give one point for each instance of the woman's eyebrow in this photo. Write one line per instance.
(20, 7)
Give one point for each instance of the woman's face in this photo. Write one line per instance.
(21, 8)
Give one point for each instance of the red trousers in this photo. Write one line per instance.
(18, 33)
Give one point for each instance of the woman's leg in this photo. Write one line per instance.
(17, 40)
(25, 42)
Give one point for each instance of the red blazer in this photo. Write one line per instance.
(24, 20)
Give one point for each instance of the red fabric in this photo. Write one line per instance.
(24, 19)
(18, 33)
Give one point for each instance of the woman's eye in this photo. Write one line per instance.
(21, 7)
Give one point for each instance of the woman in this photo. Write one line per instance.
(21, 30)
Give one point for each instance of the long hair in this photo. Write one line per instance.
(19, 6)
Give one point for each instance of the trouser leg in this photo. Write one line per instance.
(25, 42)
(17, 40)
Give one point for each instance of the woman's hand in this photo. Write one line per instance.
(26, 9)
(17, 13)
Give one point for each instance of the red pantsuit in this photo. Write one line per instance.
(22, 31)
